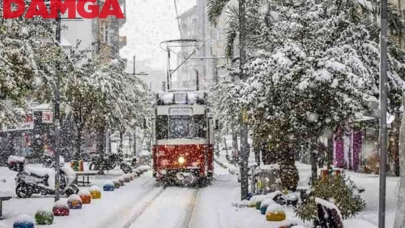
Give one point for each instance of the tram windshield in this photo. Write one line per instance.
(176, 127)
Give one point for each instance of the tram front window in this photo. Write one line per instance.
(189, 127)
(179, 127)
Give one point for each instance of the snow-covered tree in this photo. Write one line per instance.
(102, 96)
(312, 65)
(29, 56)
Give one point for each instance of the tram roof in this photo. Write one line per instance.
(182, 97)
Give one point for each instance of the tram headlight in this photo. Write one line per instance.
(181, 160)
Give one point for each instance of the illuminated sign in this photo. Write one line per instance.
(180, 111)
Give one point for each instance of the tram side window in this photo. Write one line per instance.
(200, 126)
(161, 127)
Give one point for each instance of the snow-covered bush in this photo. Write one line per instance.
(339, 190)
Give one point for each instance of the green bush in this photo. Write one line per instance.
(339, 190)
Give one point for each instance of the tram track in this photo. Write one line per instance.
(143, 208)
(189, 214)
(183, 221)
(110, 221)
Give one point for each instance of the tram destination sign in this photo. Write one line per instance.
(180, 111)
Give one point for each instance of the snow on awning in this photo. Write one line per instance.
(41, 107)
(390, 118)
(64, 42)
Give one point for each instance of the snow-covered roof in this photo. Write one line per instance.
(186, 97)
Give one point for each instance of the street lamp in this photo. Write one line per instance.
(383, 114)
(57, 123)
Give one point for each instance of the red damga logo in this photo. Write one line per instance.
(50, 8)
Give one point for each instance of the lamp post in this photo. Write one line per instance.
(383, 114)
(57, 123)
(245, 150)
(139, 74)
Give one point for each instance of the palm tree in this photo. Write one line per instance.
(359, 11)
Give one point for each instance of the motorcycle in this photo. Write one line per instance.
(126, 166)
(35, 181)
(105, 163)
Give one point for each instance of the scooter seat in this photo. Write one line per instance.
(38, 174)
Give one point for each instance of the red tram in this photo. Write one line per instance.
(183, 134)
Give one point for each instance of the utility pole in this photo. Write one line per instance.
(135, 127)
(135, 143)
(215, 66)
(245, 150)
(134, 65)
(169, 76)
(383, 114)
(57, 123)
(197, 80)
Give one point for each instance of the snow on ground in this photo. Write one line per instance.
(214, 208)
(169, 210)
(90, 216)
(367, 218)
(149, 206)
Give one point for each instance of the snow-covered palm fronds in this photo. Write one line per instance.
(314, 67)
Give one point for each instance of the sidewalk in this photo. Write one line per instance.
(90, 216)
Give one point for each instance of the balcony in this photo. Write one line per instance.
(125, 62)
(123, 5)
(123, 41)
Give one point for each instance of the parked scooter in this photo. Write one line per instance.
(107, 162)
(30, 181)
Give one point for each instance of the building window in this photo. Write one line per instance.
(104, 33)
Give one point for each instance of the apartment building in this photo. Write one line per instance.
(101, 35)
(209, 63)
(187, 73)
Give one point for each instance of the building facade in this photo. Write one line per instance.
(101, 35)
(209, 64)
(187, 74)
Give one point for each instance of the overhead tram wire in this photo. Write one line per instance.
(177, 16)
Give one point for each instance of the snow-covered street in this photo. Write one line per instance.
(142, 204)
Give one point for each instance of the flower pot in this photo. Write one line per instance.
(275, 216)
(44, 217)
